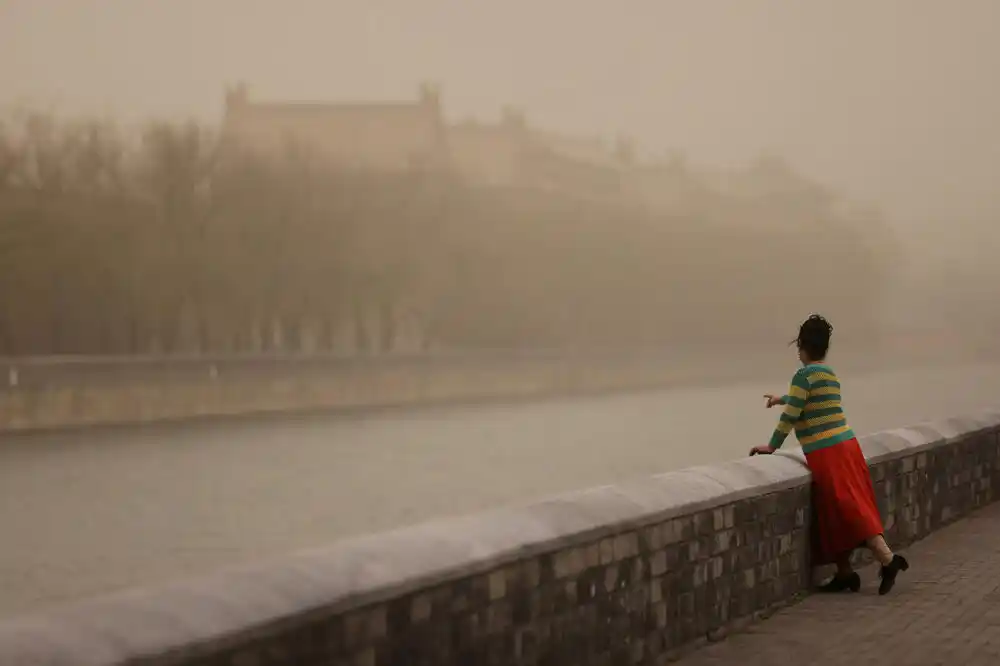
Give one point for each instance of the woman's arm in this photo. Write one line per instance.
(794, 402)
(773, 400)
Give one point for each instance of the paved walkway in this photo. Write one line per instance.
(944, 610)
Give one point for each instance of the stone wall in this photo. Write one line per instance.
(625, 574)
(45, 393)
(65, 393)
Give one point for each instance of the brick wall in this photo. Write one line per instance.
(626, 574)
(45, 393)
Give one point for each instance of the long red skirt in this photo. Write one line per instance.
(845, 514)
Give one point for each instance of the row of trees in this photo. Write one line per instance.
(170, 241)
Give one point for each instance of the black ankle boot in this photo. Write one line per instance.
(839, 583)
(889, 572)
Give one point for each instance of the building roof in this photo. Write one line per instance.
(383, 135)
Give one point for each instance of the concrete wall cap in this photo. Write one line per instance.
(891, 444)
(902, 442)
(991, 417)
(152, 622)
(959, 427)
(760, 474)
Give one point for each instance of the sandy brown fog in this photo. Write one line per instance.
(516, 174)
(690, 176)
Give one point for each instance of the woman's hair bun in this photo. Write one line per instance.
(817, 325)
(814, 336)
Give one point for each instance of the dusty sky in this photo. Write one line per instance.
(893, 101)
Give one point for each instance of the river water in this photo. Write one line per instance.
(83, 513)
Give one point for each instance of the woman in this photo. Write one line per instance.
(843, 498)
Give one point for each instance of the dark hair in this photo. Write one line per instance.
(814, 337)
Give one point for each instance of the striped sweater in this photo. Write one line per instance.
(812, 408)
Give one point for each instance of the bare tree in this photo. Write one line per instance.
(108, 244)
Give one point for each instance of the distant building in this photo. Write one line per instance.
(372, 135)
(510, 153)
(404, 135)
(490, 153)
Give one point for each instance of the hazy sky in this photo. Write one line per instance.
(896, 101)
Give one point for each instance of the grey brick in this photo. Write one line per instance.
(569, 562)
(626, 545)
(658, 563)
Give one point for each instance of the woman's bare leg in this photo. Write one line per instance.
(880, 549)
(845, 578)
(891, 564)
(844, 567)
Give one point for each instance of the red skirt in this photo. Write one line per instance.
(845, 514)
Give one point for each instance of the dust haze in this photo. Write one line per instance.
(713, 167)
(369, 177)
